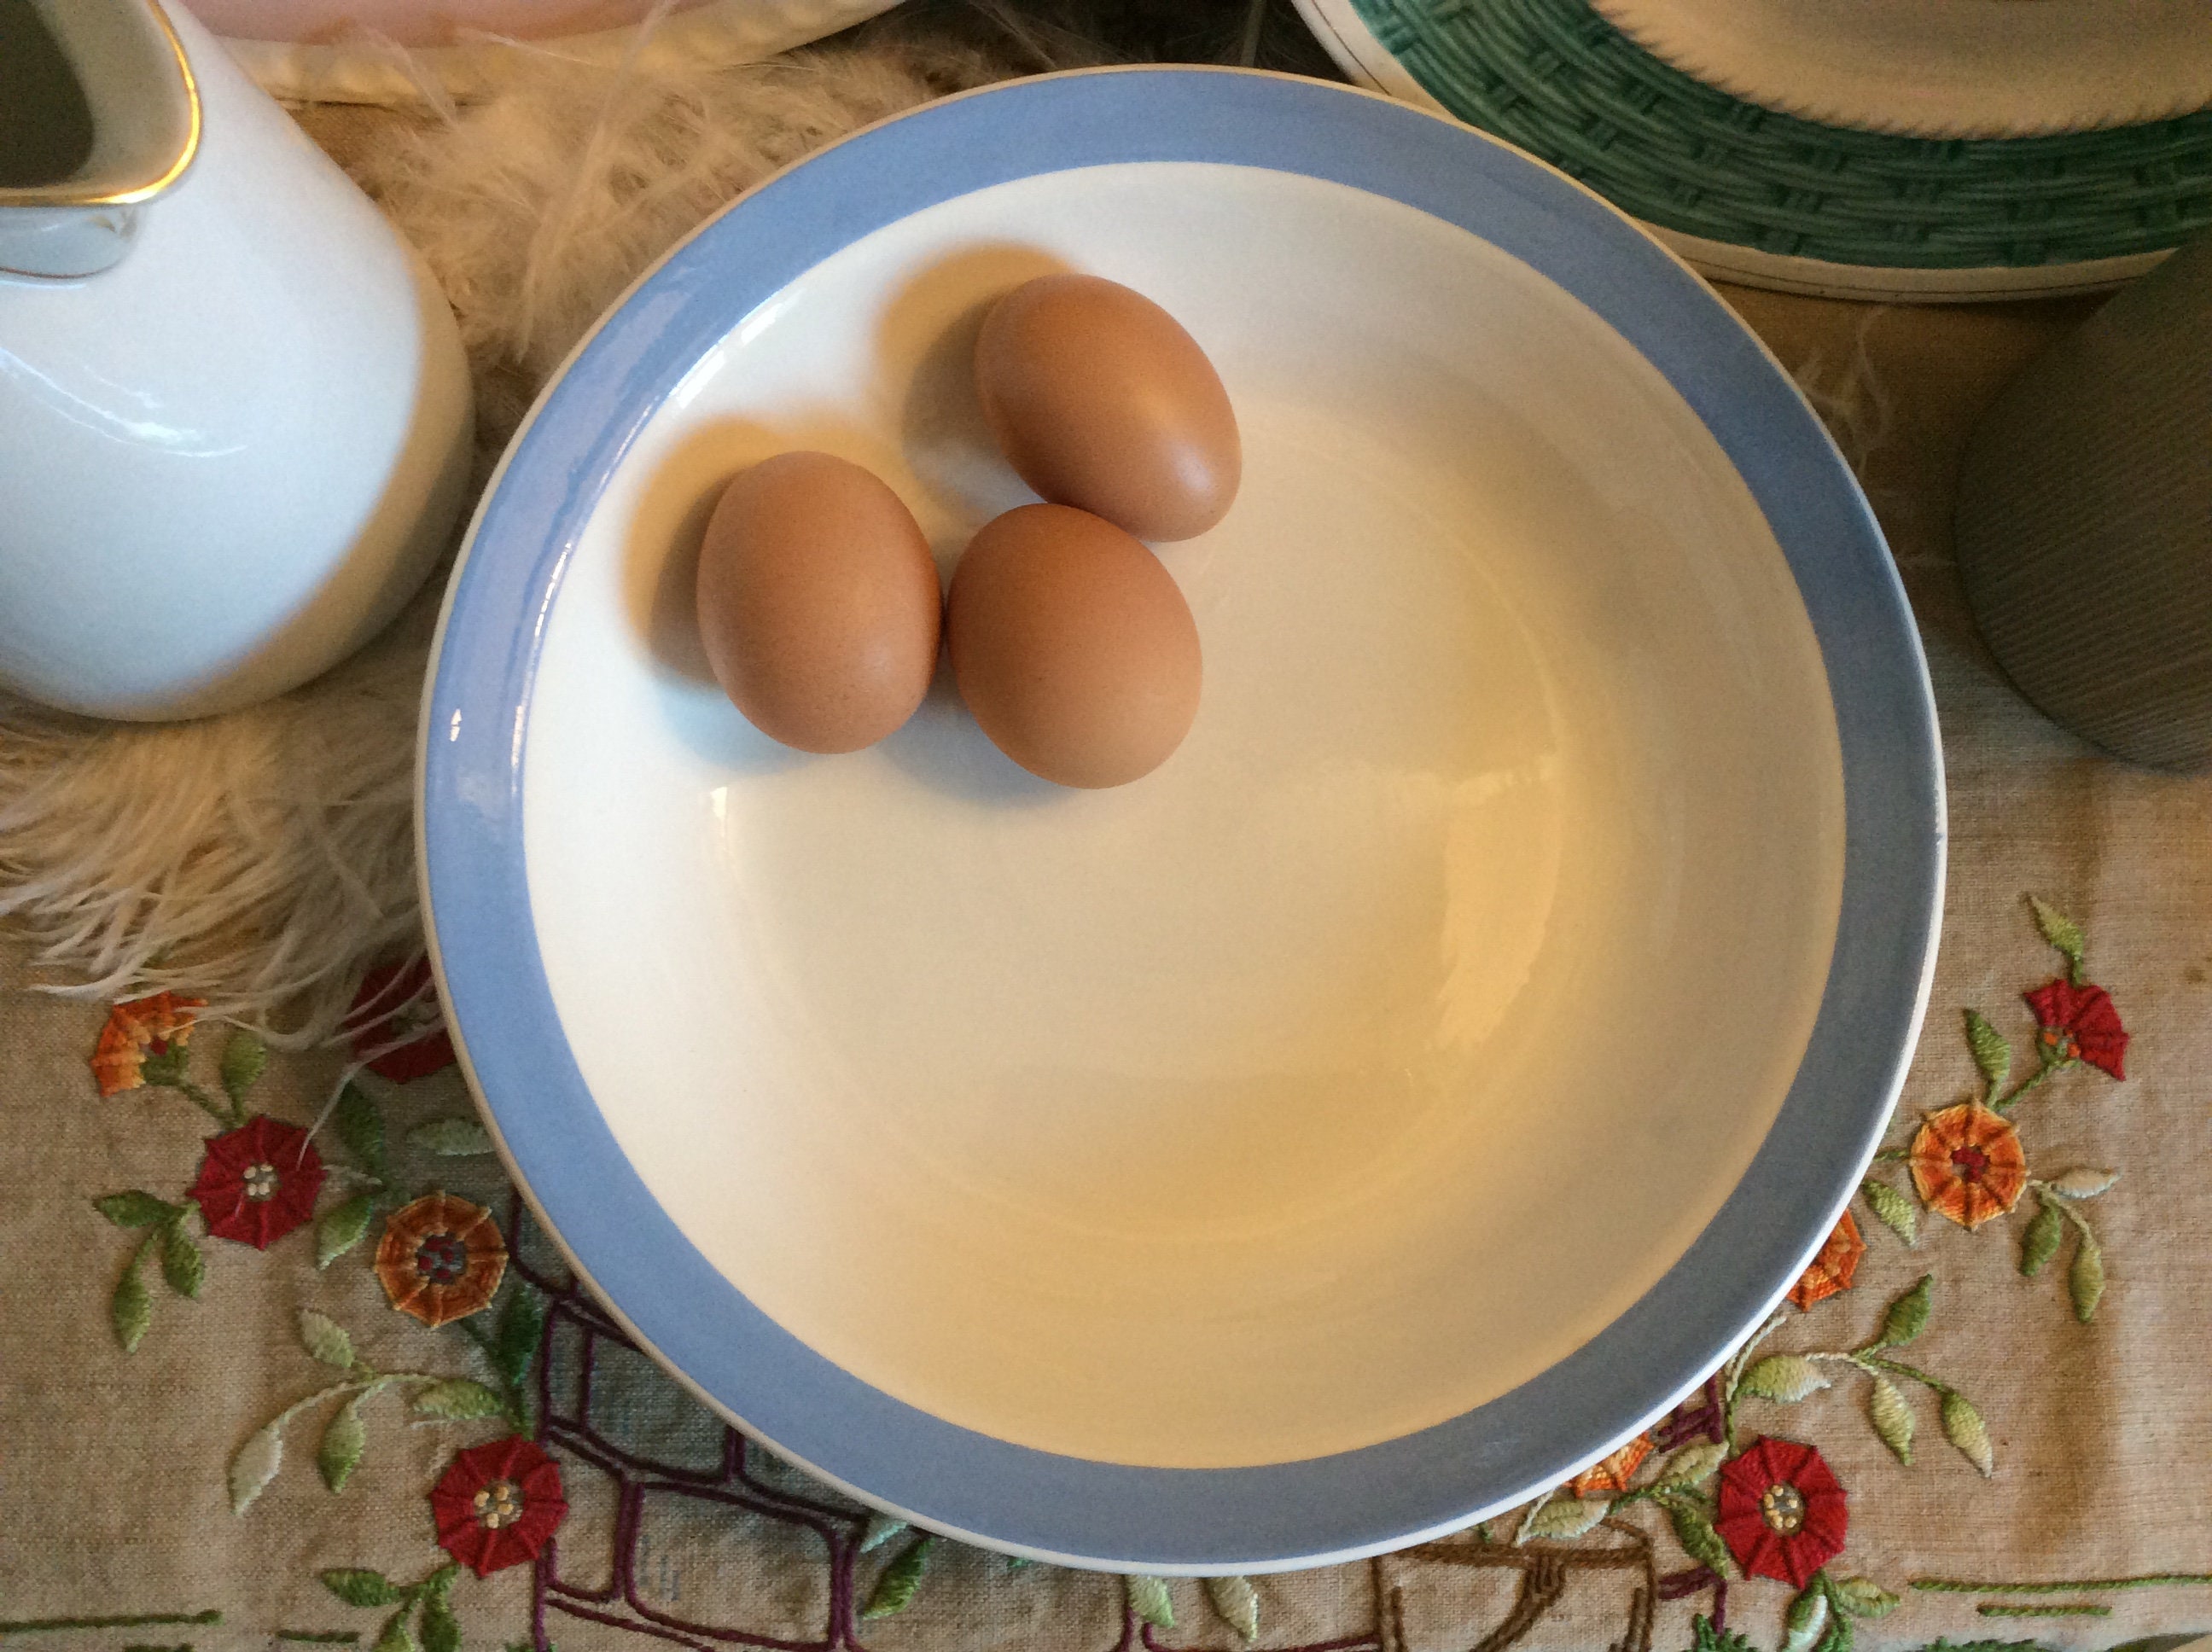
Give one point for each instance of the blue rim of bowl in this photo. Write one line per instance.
(1015, 1498)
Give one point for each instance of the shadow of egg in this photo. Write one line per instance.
(926, 346)
(942, 747)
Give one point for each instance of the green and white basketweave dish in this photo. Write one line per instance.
(1746, 194)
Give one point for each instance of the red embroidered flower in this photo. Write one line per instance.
(1781, 1511)
(1609, 1476)
(135, 1030)
(440, 1258)
(1835, 1268)
(1967, 1163)
(259, 1181)
(496, 1504)
(408, 1034)
(2079, 1023)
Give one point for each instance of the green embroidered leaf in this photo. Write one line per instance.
(2083, 1183)
(254, 1466)
(440, 1583)
(1991, 1054)
(359, 1587)
(135, 1209)
(441, 1630)
(339, 1229)
(166, 1067)
(1236, 1603)
(1695, 1533)
(1897, 1213)
(894, 1590)
(396, 1636)
(1693, 1464)
(1148, 1599)
(1807, 1617)
(244, 1059)
(515, 1340)
(1785, 1377)
(2060, 932)
(1908, 1315)
(325, 1339)
(1838, 1635)
(522, 1411)
(182, 1264)
(1703, 1637)
(451, 1138)
(458, 1400)
(882, 1528)
(2040, 1243)
(360, 1127)
(1565, 1517)
(1891, 1417)
(344, 1439)
(1862, 1597)
(132, 1308)
(2085, 1281)
(1964, 1428)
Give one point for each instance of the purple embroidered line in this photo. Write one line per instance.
(577, 1435)
(1674, 1585)
(732, 1483)
(1352, 1643)
(628, 1524)
(589, 1616)
(1707, 1420)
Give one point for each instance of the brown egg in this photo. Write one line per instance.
(1072, 646)
(818, 602)
(1101, 400)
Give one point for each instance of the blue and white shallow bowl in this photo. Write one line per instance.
(1378, 1113)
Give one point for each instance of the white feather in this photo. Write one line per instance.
(264, 858)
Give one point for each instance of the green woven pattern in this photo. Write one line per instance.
(1554, 77)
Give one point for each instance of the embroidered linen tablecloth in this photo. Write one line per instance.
(276, 1372)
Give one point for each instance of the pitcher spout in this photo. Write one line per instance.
(99, 113)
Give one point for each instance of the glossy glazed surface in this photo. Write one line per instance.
(251, 433)
(1183, 1177)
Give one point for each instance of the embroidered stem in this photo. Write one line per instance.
(315, 1399)
(1735, 1379)
(1898, 1368)
(2079, 1585)
(2003, 1103)
(1520, 1532)
(2050, 1198)
(31, 1626)
(2081, 1610)
(229, 1117)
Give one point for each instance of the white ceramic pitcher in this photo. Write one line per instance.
(235, 416)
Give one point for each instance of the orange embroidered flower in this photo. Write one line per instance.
(440, 1258)
(1835, 1268)
(1610, 1476)
(1967, 1164)
(156, 1026)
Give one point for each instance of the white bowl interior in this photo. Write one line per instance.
(1366, 1058)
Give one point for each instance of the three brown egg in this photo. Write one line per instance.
(1070, 642)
